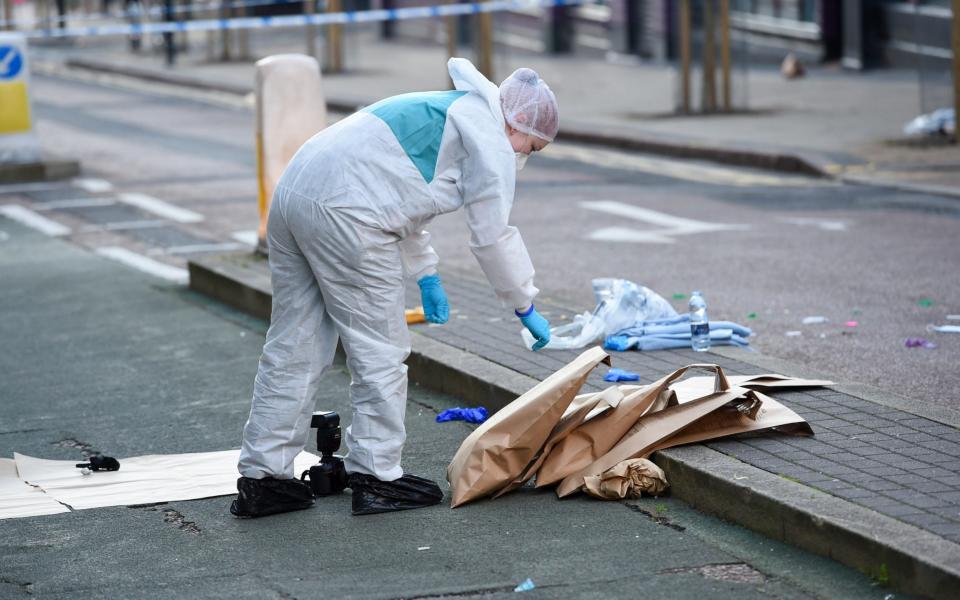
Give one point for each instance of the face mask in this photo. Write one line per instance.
(521, 159)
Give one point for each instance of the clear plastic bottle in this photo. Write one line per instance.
(699, 325)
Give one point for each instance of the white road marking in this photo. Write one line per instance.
(74, 203)
(123, 225)
(31, 219)
(159, 207)
(623, 234)
(686, 170)
(13, 188)
(94, 186)
(671, 225)
(145, 264)
(250, 237)
(194, 248)
(825, 225)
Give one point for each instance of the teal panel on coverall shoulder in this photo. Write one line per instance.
(418, 120)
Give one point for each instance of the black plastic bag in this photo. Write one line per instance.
(371, 496)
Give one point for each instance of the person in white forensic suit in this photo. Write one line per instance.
(345, 228)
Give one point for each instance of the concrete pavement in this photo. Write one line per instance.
(108, 360)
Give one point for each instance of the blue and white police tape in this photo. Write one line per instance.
(134, 11)
(363, 16)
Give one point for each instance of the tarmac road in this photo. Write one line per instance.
(107, 359)
(786, 248)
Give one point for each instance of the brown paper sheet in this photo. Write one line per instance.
(498, 451)
(696, 387)
(733, 420)
(588, 406)
(649, 431)
(591, 441)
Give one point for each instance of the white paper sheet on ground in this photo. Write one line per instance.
(18, 499)
(141, 479)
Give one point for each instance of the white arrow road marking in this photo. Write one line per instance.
(686, 170)
(123, 226)
(145, 264)
(94, 186)
(160, 208)
(671, 225)
(825, 225)
(6, 60)
(248, 237)
(74, 203)
(197, 248)
(31, 219)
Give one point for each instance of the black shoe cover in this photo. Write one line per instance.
(371, 496)
(269, 496)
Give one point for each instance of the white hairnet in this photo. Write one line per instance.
(529, 105)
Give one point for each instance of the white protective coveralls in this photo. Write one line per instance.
(345, 226)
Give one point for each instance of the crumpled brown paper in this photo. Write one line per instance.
(595, 438)
(501, 449)
(628, 479)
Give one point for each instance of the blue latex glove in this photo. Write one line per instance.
(470, 415)
(436, 309)
(537, 325)
(616, 374)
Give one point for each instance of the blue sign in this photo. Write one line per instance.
(11, 62)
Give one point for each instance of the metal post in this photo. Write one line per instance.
(44, 14)
(685, 55)
(956, 70)
(559, 33)
(309, 8)
(62, 13)
(243, 35)
(168, 43)
(709, 92)
(388, 29)
(485, 44)
(451, 25)
(224, 32)
(8, 14)
(334, 40)
(450, 22)
(725, 53)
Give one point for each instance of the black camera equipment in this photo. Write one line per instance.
(329, 477)
(98, 462)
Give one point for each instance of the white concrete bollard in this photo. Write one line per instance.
(18, 142)
(290, 110)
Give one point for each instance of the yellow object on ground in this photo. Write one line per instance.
(415, 315)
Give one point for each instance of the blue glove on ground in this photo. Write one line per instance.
(436, 309)
(537, 325)
(470, 415)
(616, 374)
